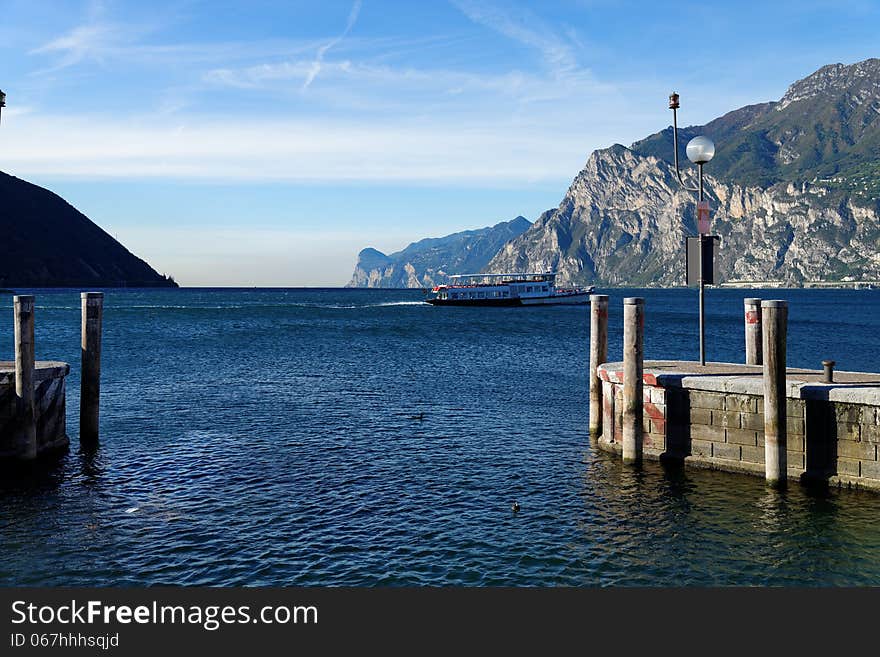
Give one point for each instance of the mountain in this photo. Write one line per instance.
(794, 190)
(430, 261)
(825, 126)
(48, 243)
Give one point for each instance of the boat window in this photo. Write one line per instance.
(529, 288)
(505, 294)
(455, 295)
(544, 289)
(482, 295)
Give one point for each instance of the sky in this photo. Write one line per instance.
(267, 142)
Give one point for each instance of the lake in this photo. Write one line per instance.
(361, 437)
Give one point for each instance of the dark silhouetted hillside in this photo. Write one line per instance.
(46, 242)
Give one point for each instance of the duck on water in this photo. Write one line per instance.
(519, 289)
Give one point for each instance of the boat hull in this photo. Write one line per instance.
(558, 300)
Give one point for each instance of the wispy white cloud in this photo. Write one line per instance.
(94, 41)
(374, 77)
(383, 118)
(363, 82)
(105, 42)
(555, 46)
(206, 148)
(120, 45)
(319, 58)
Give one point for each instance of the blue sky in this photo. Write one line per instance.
(267, 142)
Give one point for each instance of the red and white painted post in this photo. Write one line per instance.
(753, 331)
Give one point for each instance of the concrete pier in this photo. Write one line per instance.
(752, 317)
(90, 388)
(633, 358)
(26, 447)
(713, 417)
(775, 319)
(598, 355)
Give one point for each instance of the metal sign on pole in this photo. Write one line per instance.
(709, 271)
(703, 217)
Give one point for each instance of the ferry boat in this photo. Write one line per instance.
(525, 289)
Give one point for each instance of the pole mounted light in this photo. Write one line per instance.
(2, 101)
(700, 150)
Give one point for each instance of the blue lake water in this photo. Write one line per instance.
(360, 437)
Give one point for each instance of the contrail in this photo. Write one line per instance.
(319, 58)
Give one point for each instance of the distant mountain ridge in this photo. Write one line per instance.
(431, 261)
(825, 126)
(46, 242)
(794, 190)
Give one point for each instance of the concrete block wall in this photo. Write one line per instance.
(49, 406)
(827, 440)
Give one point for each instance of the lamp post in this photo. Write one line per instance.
(2, 101)
(699, 151)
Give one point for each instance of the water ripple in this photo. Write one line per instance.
(349, 437)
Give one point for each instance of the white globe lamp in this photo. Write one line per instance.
(700, 150)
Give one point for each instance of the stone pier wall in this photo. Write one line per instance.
(49, 406)
(716, 421)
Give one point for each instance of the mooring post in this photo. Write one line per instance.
(633, 387)
(90, 386)
(753, 331)
(775, 320)
(828, 371)
(24, 376)
(598, 355)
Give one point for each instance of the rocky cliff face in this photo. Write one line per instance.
(794, 192)
(625, 218)
(430, 261)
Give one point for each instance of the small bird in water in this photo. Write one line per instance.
(515, 506)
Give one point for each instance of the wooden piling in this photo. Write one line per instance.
(598, 355)
(24, 376)
(775, 324)
(90, 387)
(753, 331)
(633, 387)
